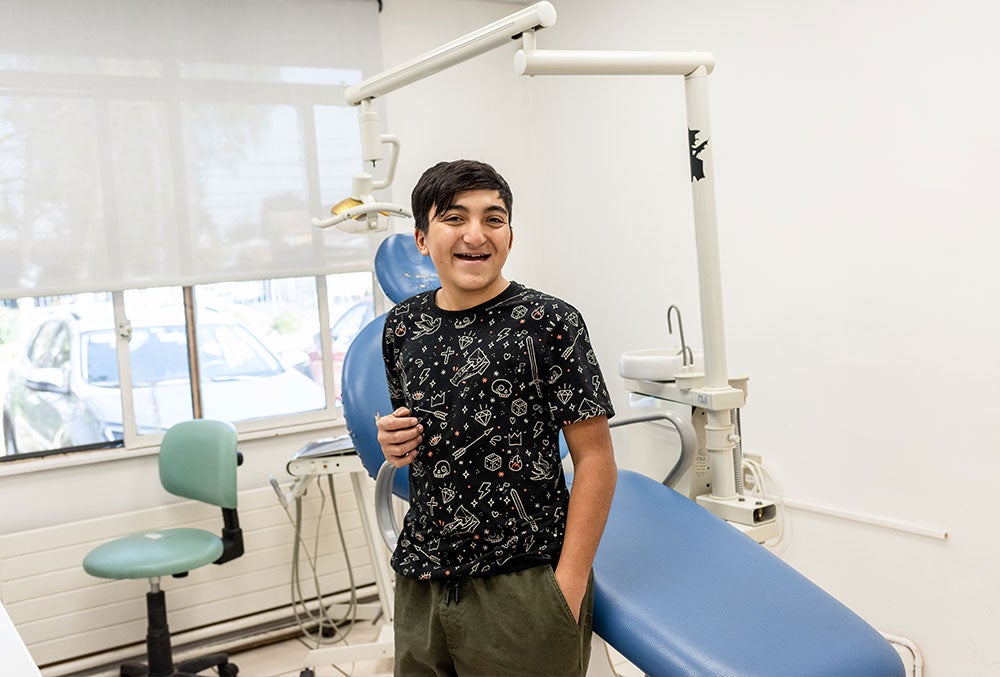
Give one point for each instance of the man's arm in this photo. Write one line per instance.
(594, 476)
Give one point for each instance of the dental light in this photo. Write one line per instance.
(360, 212)
(711, 391)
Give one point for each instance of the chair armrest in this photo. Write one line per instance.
(689, 441)
(385, 514)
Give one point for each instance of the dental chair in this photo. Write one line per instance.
(677, 591)
(197, 460)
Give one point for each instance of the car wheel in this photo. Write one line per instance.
(10, 444)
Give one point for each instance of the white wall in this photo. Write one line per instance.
(50, 495)
(854, 150)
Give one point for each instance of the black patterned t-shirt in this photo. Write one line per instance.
(493, 386)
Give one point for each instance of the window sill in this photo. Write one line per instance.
(150, 445)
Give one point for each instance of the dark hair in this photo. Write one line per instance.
(439, 185)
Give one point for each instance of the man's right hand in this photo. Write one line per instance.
(399, 434)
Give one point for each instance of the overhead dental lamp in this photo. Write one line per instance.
(360, 212)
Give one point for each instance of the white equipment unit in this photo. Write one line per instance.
(335, 456)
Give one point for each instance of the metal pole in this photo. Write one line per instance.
(190, 320)
(719, 430)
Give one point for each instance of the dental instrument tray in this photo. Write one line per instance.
(323, 456)
(328, 446)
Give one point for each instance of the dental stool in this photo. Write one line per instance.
(197, 460)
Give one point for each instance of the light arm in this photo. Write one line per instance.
(501, 32)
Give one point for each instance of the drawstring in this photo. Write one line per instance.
(451, 588)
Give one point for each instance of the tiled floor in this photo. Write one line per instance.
(285, 659)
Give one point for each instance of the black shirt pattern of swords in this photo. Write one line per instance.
(493, 386)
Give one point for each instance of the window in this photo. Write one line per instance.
(55, 394)
(138, 176)
(259, 358)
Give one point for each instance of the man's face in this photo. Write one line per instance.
(468, 241)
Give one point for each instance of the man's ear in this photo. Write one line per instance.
(421, 239)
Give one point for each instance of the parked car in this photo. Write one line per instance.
(63, 387)
(342, 333)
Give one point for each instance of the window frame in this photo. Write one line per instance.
(133, 445)
(331, 414)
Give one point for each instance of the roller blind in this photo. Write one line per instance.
(163, 143)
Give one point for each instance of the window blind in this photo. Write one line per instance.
(172, 143)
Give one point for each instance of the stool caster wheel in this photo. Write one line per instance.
(228, 670)
(308, 672)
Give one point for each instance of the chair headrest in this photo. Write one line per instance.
(402, 270)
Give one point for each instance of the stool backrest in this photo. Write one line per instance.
(198, 460)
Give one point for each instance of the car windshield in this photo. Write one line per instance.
(159, 354)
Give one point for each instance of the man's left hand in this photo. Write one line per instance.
(573, 588)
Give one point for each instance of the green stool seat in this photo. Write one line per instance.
(197, 460)
(154, 553)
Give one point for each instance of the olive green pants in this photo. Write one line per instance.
(516, 624)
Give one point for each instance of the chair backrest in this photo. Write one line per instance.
(366, 394)
(198, 460)
(402, 271)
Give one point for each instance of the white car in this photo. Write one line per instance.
(63, 389)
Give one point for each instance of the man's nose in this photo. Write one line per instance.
(475, 233)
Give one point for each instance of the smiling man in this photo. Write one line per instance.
(493, 567)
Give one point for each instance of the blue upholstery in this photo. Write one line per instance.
(677, 590)
(366, 394)
(402, 270)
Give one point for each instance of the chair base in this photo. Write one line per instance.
(159, 652)
(188, 668)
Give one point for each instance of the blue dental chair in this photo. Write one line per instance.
(197, 460)
(671, 580)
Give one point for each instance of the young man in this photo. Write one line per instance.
(494, 562)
